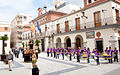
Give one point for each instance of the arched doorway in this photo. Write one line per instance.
(58, 44)
(67, 42)
(79, 41)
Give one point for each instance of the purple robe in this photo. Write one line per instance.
(51, 50)
(47, 49)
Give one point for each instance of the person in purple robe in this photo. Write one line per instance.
(63, 53)
(78, 54)
(110, 54)
(93, 53)
(54, 50)
(51, 51)
(116, 55)
(74, 50)
(57, 52)
(106, 50)
(70, 53)
(97, 55)
(48, 52)
(88, 54)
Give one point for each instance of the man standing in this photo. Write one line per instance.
(48, 52)
(31, 43)
(78, 55)
(110, 54)
(10, 58)
(116, 55)
(54, 52)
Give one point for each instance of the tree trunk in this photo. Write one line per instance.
(3, 52)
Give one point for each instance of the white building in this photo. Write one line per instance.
(5, 31)
(97, 25)
(26, 36)
(18, 25)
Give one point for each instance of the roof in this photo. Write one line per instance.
(50, 11)
(62, 5)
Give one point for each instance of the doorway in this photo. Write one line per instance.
(42, 45)
(68, 42)
(119, 44)
(99, 45)
(78, 42)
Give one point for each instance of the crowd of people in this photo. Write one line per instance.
(83, 54)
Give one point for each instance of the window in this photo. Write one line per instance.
(66, 26)
(58, 28)
(20, 28)
(5, 35)
(25, 17)
(20, 38)
(6, 28)
(89, 1)
(20, 33)
(20, 17)
(77, 20)
(97, 19)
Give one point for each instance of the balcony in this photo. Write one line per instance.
(92, 24)
(84, 26)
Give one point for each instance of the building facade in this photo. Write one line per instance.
(5, 30)
(19, 25)
(45, 22)
(97, 25)
(94, 26)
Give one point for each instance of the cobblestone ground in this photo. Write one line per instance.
(52, 66)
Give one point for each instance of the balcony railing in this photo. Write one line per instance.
(105, 21)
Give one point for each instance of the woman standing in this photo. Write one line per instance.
(97, 54)
(34, 59)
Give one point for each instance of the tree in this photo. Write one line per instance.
(23, 44)
(3, 38)
(37, 43)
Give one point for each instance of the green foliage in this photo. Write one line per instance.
(23, 43)
(37, 42)
(3, 38)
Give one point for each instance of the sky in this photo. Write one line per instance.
(10, 8)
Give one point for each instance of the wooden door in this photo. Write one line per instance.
(99, 45)
(66, 26)
(117, 16)
(97, 19)
(77, 20)
(58, 28)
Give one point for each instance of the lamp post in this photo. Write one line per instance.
(84, 18)
(104, 10)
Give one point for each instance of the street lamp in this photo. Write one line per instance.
(84, 17)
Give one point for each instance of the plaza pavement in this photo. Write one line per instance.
(52, 66)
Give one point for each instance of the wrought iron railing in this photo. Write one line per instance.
(105, 21)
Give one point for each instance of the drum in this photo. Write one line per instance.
(84, 56)
(106, 56)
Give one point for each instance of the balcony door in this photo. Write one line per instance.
(77, 20)
(117, 16)
(66, 26)
(97, 19)
(58, 28)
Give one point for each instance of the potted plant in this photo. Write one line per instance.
(37, 44)
(23, 44)
(3, 56)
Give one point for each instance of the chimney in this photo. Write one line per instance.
(40, 11)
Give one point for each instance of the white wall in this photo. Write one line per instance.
(68, 8)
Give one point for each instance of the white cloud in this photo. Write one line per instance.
(9, 8)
